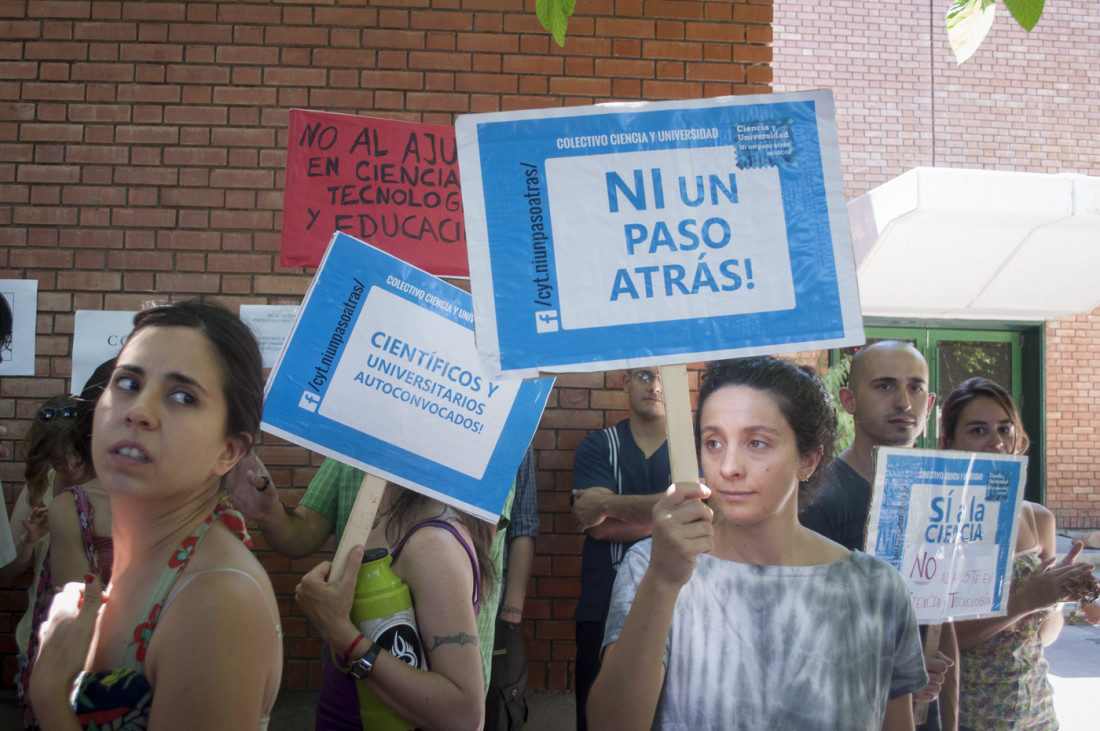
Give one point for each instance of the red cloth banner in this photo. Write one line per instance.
(391, 184)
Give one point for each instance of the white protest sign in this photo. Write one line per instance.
(947, 521)
(98, 336)
(270, 324)
(657, 233)
(381, 372)
(17, 354)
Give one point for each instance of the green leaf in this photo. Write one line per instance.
(834, 379)
(968, 22)
(554, 16)
(1026, 12)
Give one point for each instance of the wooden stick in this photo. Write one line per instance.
(682, 457)
(931, 647)
(359, 522)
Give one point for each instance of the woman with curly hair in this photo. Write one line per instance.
(734, 616)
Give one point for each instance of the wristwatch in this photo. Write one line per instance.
(361, 668)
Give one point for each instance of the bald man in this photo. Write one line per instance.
(888, 397)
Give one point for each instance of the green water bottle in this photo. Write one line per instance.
(383, 612)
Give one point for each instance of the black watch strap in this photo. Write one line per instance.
(360, 669)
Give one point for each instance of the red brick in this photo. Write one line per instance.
(715, 32)
(51, 132)
(752, 54)
(392, 79)
(56, 51)
(229, 178)
(570, 86)
(684, 50)
(389, 39)
(130, 259)
(674, 9)
(438, 61)
(745, 13)
(145, 176)
(191, 283)
(192, 197)
(715, 72)
(242, 219)
(43, 216)
(88, 281)
(52, 91)
(143, 217)
(671, 90)
(41, 259)
(149, 93)
(43, 174)
(158, 12)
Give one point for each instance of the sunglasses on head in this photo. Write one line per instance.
(46, 414)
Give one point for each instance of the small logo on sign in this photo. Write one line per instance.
(547, 321)
(309, 401)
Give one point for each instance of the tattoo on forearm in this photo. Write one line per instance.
(460, 639)
(505, 609)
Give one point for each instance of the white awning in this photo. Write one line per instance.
(978, 244)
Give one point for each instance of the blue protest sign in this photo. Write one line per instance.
(657, 233)
(947, 521)
(380, 371)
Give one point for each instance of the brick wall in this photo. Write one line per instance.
(142, 147)
(1023, 102)
(1073, 395)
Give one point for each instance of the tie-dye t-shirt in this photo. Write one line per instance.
(781, 647)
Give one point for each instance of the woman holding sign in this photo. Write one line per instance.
(733, 615)
(442, 554)
(1003, 673)
(187, 633)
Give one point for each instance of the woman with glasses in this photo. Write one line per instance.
(79, 520)
(45, 473)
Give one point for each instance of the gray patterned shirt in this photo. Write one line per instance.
(781, 647)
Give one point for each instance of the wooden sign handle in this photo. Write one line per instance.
(682, 457)
(359, 522)
(931, 647)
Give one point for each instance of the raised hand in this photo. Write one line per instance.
(36, 524)
(250, 487)
(682, 529)
(1050, 584)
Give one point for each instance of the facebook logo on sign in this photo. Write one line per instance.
(309, 402)
(547, 321)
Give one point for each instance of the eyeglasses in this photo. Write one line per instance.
(645, 377)
(46, 414)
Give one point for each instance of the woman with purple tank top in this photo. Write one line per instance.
(443, 556)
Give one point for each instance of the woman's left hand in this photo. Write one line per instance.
(683, 527)
(66, 637)
(36, 525)
(327, 603)
(1071, 556)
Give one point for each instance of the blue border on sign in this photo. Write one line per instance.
(505, 146)
(902, 471)
(349, 263)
